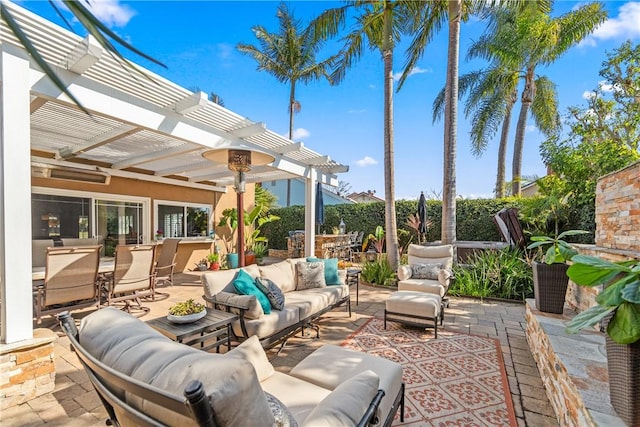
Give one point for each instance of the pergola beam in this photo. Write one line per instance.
(84, 55)
(183, 168)
(191, 103)
(98, 141)
(317, 160)
(284, 149)
(154, 156)
(249, 130)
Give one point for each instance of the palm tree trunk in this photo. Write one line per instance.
(389, 180)
(528, 94)
(292, 103)
(450, 126)
(502, 149)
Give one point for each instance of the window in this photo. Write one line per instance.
(54, 216)
(178, 220)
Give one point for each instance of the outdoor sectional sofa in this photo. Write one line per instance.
(301, 307)
(144, 378)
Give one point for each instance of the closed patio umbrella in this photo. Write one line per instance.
(422, 216)
(319, 206)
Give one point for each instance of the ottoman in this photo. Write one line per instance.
(330, 365)
(414, 308)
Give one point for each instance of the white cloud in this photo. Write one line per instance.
(415, 70)
(111, 12)
(588, 94)
(225, 50)
(372, 86)
(530, 128)
(624, 26)
(366, 161)
(605, 86)
(300, 133)
(352, 111)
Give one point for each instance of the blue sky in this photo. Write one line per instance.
(197, 40)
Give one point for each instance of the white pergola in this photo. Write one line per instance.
(141, 128)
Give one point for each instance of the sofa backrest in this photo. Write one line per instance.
(441, 254)
(214, 282)
(282, 274)
(131, 347)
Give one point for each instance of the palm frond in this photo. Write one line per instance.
(545, 107)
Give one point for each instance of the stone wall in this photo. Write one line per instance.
(618, 209)
(27, 369)
(617, 227)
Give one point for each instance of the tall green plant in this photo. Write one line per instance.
(494, 274)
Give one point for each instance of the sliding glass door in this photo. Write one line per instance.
(120, 222)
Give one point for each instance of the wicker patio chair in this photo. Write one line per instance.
(165, 265)
(133, 277)
(70, 282)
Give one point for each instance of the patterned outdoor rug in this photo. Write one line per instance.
(455, 380)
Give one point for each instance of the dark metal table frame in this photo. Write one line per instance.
(353, 278)
(216, 324)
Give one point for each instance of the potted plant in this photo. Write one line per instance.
(159, 234)
(550, 278)
(253, 221)
(202, 265)
(260, 249)
(620, 303)
(214, 261)
(186, 312)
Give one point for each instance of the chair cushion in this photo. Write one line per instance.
(347, 403)
(246, 285)
(331, 276)
(271, 291)
(281, 274)
(310, 275)
(423, 285)
(425, 271)
(254, 309)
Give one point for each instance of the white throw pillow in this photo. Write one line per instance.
(251, 351)
(310, 275)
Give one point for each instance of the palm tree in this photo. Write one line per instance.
(523, 40)
(492, 95)
(103, 34)
(379, 24)
(289, 55)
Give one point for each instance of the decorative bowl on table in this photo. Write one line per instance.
(186, 312)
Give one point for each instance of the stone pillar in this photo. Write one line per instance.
(27, 368)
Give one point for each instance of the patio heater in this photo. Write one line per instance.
(239, 161)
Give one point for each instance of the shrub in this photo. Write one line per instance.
(378, 272)
(494, 274)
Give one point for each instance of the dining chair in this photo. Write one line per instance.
(132, 278)
(71, 281)
(165, 265)
(39, 252)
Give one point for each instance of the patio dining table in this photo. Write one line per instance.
(106, 266)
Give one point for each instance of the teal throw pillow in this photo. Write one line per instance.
(245, 285)
(331, 276)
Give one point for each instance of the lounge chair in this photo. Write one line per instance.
(133, 276)
(70, 281)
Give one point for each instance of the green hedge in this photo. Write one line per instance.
(474, 219)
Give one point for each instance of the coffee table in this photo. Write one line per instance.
(210, 332)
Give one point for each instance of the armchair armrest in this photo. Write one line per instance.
(444, 277)
(404, 272)
(245, 306)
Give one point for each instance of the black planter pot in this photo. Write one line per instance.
(550, 286)
(623, 362)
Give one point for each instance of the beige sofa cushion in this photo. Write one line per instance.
(132, 347)
(310, 301)
(270, 323)
(422, 285)
(281, 274)
(222, 280)
(299, 396)
(254, 309)
(346, 404)
(328, 367)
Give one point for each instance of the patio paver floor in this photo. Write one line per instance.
(74, 402)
